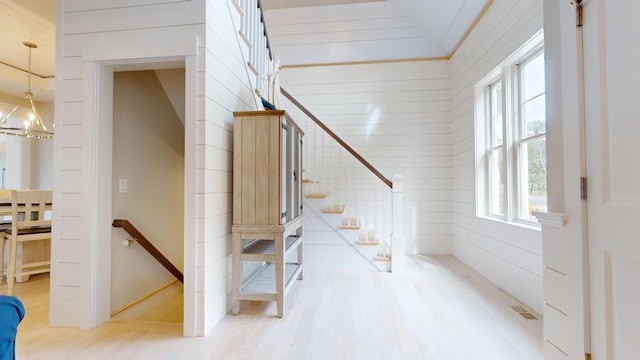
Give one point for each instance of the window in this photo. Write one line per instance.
(511, 164)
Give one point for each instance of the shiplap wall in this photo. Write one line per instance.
(397, 116)
(509, 255)
(226, 89)
(94, 38)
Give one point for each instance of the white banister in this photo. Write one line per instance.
(397, 231)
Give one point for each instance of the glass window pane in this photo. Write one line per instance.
(533, 77)
(496, 114)
(496, 182)
(534, 116)
(533, 178)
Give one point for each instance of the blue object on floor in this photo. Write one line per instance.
(11, 314)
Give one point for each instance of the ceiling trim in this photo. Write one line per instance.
(27, 71)
(473, 26)
(368, 62)
(436, 58)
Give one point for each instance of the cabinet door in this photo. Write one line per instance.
(286, 180)
(297, 174)
(291, 166)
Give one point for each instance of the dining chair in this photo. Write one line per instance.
(5, 196)
(29, 223)
(4, 226)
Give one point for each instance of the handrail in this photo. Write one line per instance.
(147, 245)
(346, 146)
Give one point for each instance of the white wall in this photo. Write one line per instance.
(42, 152)
(94, 38)
(225, 89)
(18, 162)
(425, 131)
(28, 162)
(148, 153)
(397, 116)
(510, 256)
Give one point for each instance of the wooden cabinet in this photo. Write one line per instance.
(267, 207)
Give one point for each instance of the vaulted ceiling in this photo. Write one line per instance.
(302, 32)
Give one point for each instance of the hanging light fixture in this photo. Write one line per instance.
(31, 126)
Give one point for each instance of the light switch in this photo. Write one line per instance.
(122, 186)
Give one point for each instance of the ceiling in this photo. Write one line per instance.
(302, 32)
(309, 32)
(33, 21)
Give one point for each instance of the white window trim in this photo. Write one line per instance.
(507, 70)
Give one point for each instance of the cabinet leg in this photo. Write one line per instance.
(280, 273)
(236, 273)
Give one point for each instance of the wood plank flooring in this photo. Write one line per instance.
(164, 306)
(438, 309)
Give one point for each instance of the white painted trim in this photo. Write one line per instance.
(551, 219)
(101, 188)
(97, 186)
(566, 140)
(96, 272)
(191, 311)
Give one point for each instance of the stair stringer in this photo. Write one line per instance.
(368, 252)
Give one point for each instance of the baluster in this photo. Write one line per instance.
(316, 166)
(260, 54)
(340, 179)
(346, 219)
(249, 16)
(243, 20)
(256, 34)
(332, 189)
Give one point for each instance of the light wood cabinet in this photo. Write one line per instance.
(267, 207)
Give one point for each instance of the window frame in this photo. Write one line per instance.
(514, 137)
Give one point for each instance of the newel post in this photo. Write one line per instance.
(397, 230)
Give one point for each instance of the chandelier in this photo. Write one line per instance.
(31, 126)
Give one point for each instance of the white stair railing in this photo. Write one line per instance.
(372, 203)
(262, 65)
(369, 201)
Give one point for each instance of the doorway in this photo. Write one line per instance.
(148, 147)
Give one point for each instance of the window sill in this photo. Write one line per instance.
(518, 224)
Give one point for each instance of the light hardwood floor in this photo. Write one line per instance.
(438, 309)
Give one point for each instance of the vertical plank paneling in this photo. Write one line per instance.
(248, 164)
(263, 159)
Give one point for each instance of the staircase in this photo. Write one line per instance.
(355, 199)
(329, 247)
(346, 198)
